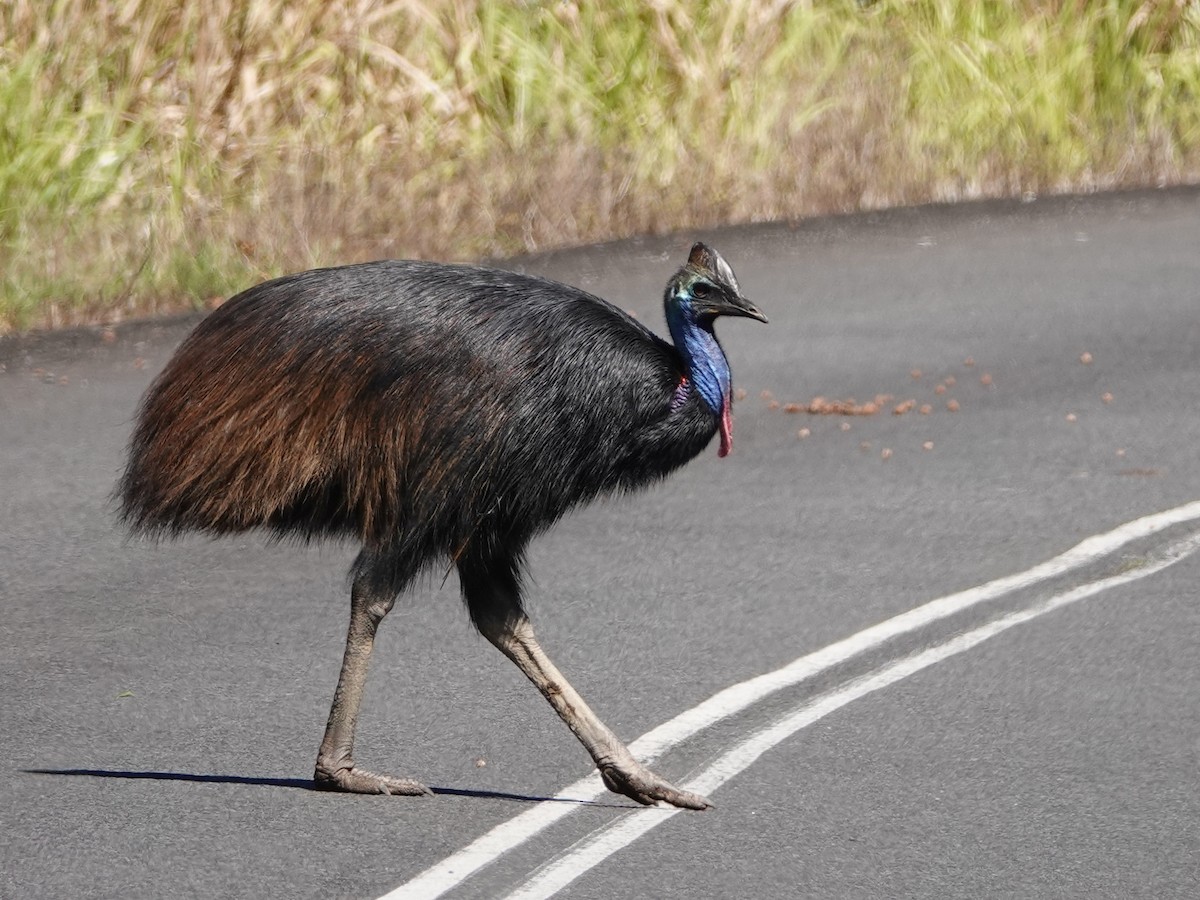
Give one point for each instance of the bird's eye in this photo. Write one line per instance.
(700, 289)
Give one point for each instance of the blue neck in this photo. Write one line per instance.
(703, 360)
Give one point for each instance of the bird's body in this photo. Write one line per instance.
(364, 400)
(431, 412)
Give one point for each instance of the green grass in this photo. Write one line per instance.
(156, 154)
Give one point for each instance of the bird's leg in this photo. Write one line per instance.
(336, 770)
(620, 771)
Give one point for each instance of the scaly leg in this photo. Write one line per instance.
(495, 605)
(336, 770)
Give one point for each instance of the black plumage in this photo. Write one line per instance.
(431, 412)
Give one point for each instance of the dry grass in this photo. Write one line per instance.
(154, 154)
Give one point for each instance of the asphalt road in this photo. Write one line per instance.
(162, 705)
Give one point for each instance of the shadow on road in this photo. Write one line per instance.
(301, 783)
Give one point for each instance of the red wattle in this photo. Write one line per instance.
(726, 429)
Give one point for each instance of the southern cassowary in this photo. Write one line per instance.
(432, 412)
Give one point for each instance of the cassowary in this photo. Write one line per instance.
(432, 412)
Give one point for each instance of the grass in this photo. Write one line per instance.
(154, 155)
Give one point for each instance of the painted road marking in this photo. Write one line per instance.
(458, 867)
(583, 857)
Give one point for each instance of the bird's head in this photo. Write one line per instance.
(705, 287)
(699, 292)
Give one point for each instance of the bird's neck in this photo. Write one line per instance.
(704, 362)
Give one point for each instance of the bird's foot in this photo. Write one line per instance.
(642, 785)
(359, 781)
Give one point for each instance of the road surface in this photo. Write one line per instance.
(964, 640)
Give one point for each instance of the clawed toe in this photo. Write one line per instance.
(645, 787)
(359, 781)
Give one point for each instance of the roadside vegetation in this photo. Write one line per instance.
(155, 155)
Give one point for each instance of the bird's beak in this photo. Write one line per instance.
(740, 306)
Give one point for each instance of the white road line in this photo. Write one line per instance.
(458, 867)
(589, 853)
